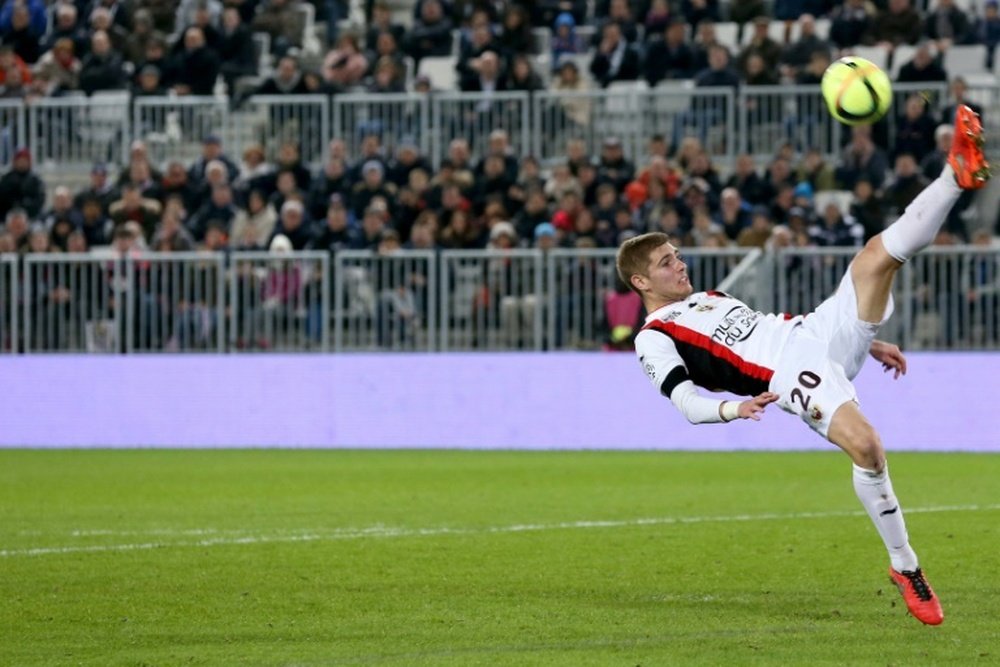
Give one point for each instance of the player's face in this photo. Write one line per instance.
(666, 279)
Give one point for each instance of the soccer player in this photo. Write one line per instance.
(804, 363)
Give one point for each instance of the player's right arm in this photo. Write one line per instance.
(667, 372)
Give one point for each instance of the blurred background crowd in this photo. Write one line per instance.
(269, 196)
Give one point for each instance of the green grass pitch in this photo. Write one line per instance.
(485, 558)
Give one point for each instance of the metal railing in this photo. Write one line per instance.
(70, 132)
(945, 298)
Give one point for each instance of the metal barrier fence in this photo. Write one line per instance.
(8, 304)
(270, 120)
(946, 298)
(12, 128)
(385, 301)
(394, 118)
(69, 132)
(492, 300)
(473, 116)
(279, 302)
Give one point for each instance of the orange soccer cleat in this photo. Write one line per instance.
(966, 154)
(919, 596)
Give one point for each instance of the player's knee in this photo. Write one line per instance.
(866, 448)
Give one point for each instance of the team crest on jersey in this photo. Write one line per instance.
(816, 414)
(704, 308)
(648, 368)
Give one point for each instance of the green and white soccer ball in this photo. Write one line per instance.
(856, 91)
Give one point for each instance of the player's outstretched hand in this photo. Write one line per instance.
(890, 357)
(753, 408)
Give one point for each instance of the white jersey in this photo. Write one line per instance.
(716, 341)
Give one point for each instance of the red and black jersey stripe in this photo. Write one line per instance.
(713, 365)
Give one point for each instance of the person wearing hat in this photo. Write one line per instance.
(565, 41)
(546, 236)
(148, 82)
(372, 185)
(21, 187)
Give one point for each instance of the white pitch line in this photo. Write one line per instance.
(380, 531)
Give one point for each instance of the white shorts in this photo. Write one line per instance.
(836, 321)
(809, 383)
(823, 355)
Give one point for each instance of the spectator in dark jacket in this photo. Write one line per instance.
(431, 33)
(287, 80)
(671, 57)
(102, 67)
(946, 24)
(21, 187)
(236, 50)
(21, 35)
(197, 66)
(616, 59)
(923, 68)
(852, 23)
(899, 24)
(915, 129)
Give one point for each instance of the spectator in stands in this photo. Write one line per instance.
(760, 44)
(719, 73)
(100, 19)
(914, 129)
(331, 180)
(922, 68)
(287, 79)
(211, 150)
(372, 185)
(798, 55)
(747, 181)
(861, 159)
(544, 12)
(336, 234)
(65, 27)
(834, 229)
(385, 46)
(156, 55)
(703, 43)
(196, 67)
(21, 187)
(486, 78)
(933, 163)
(293, 225)
(175, 183)
(282, 22)
(219, 209)
(102, 67)
(170, 235)
(101, 188)
(868, 209)
(253, 227)
(10, 60)
(236, 49)
(907, 183)
(149, 83)
(521, 76)
(19, 31)
(616, 59)
(734, 213)
(408, 158)
(698, 11)
(957, 91)
(14, 86)
(814, 170)
(899, 24)
(852, 23)
(759, 231)
(62, 209)
(515, 34)
(133, 207)
(620, 12)
(116, 9)
(987, 31)
(757, 73)
(460, 233)
(381, 22)
(480, 40)
(431, 32)
(345, 65)
(136, 41)
(565, 40)
(946, 24)
(573, 111)
(671, 57)
(614, 167)
(779, 175)
(657, 18)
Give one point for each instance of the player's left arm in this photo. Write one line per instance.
(890, 356)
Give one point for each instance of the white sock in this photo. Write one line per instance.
(920, 222)
(874, 490)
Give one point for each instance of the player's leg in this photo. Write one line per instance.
(874, 269)
(851, 431)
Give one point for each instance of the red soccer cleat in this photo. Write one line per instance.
(919, 596)
(966, 154)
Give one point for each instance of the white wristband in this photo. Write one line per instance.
(729, 410)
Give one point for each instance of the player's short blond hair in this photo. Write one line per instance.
(633, 256)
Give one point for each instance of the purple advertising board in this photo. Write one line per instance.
(512, 400)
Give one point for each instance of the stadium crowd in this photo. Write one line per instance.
(499, 199)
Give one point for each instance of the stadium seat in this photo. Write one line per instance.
(727, 32)
(965, 59)
(873, 53)
(541, 41)
(823, 28)
(440, 70)
(262, 52)
(310, 43)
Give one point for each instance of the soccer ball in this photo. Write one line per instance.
(856, 91)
